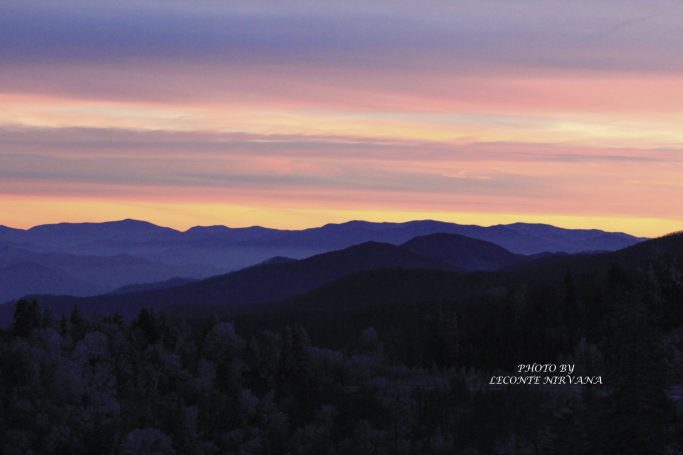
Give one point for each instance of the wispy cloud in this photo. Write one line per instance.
(325, 170)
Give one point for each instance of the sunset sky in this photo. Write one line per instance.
(298, 113)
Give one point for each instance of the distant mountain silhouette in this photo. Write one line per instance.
(670, 244)
(639, 255)
(71, 234)
(11, 234)
(275, 282)
(277, 260)
(30, 278)
(106, 256)
(279, 277)
(127, 234)
(518, 237)
(385, 287)
(170, 283)
(462, 252)
(95, 274)
(257, 284)
(214, 233)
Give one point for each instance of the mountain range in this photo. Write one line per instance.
(85, 259)
(427, 266)
(111, 236)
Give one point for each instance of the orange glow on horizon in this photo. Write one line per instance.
(23, 213)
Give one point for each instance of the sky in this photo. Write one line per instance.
(293, 114)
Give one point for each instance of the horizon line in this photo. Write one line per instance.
(317, 226)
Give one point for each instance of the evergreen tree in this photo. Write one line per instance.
(27, 317)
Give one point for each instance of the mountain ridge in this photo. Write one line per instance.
(270, 283)
(462, 252)
(101, 257)
(252, 285)
(522, 238)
